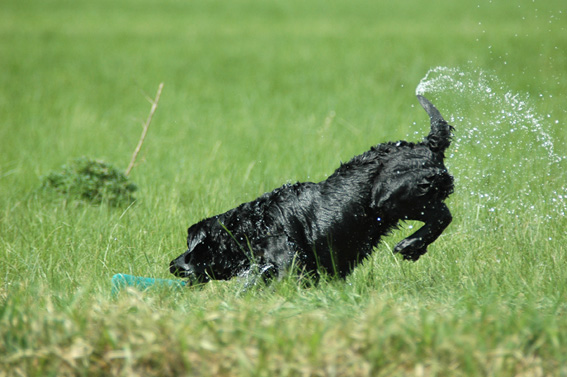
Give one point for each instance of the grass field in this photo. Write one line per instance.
(258, 94)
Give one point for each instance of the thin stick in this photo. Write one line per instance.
(145, 130)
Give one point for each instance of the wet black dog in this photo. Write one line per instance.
(334, 224)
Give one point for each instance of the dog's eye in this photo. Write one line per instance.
(199, 248)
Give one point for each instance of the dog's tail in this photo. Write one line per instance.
(439, 137)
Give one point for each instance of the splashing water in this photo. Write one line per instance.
(503, 156)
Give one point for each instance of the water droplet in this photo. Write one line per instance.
(509, 131)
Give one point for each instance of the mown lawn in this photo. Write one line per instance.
(258, 94)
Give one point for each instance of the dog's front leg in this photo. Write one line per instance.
(436, 219)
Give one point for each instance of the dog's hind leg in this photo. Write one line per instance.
(436, 219)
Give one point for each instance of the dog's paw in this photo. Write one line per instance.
(411, 248)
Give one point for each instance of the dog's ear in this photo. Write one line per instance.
(195, 236)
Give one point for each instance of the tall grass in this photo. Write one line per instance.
(258, 94)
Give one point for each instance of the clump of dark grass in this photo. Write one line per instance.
(96, 181)
(90, 180)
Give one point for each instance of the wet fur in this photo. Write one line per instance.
(332, 225)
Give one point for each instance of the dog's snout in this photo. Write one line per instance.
(184, 267)
(174, 268)
(180, 266)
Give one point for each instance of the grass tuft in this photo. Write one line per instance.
(93, 181)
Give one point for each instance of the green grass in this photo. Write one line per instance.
(258, 94)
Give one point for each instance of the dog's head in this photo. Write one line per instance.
(209, 254)
(195, 263)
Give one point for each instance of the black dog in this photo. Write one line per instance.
(332, 225)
